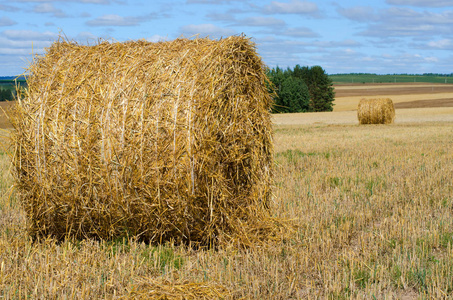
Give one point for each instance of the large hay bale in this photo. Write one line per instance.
(376, 111)
(163, 141)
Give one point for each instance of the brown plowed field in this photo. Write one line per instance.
(446, 102)
(365, 90)
(408, 95)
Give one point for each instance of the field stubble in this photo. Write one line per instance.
(372, 208)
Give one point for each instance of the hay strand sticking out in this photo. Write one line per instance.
(163, 141)
(376, 111)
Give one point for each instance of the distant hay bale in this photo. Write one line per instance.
(168, 141)
(376, 111)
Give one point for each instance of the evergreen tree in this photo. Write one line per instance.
(294, 95)
(6, 95)
(301, 72)
(320, 87)
(302, 89)
(276, 77)
(290, 93)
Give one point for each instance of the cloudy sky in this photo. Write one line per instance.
(379, 36)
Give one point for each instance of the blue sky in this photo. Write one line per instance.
(381, 36)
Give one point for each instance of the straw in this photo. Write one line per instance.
(167, 141)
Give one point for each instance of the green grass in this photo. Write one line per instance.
(374, 78)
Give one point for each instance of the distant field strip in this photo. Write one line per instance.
(447, 102)
(407, 115)
(415, 95)
(389, 86)
(350, 103)
(391, 89)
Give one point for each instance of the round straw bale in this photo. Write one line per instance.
(162, 141)
(376, 111)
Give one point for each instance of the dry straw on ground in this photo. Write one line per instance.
(163, 141)
(152, 288)
(376, 111)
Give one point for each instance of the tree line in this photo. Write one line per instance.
(302, 89)
(6, 95)
(8, 86)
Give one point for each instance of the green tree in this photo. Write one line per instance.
(319, 84)
(290, 93)
(301, 72)
(302, 89)
(276, 77)
(294, 95)
(6, 95)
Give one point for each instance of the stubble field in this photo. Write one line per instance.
(372, 209)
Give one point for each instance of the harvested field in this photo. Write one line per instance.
(391, 89)
(374, 220)
(347, 97)
(446, 102)
(405, 115)
(4, 106)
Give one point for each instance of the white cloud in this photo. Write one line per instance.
(5, 21)
(93, 1)
(206, 29)
(44, 8)
(79, 1)
(399, 30)
(431, 59)
(422, 3)
(25, 47)
(302, 32)
(295, 32)
(48, 8)
(293, 7)
(406, 60)
(441, 44)
(156, 38)
(209, 1)
(224, 17)
(20, 46)
(336, 44)
(400, 22)
(85, 36)
(300, 52)
(400, 12)
(358, 13)
(14, 51)
(352, 61)
(8, 8)
(117, 20)
(261, 21)
(113, 20)
(29, 35)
